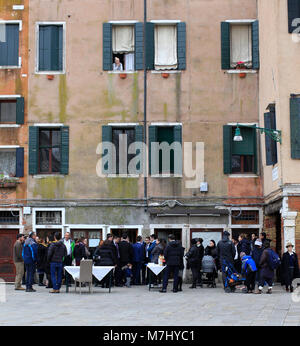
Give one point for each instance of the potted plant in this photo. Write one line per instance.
(50, 76)
(8, 181)
(122, 75)
(241, 66)
(165, 75)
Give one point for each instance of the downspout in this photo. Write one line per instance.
(145, 104)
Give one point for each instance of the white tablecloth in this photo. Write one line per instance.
(98, 272)
(155, 268)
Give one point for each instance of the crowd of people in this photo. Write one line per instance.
(43, 261)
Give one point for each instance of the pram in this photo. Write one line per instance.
(232, 277)
(209, 269)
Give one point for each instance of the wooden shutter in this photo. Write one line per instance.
(139, 46)
(33, 149)
(64, 164)
(293, 12)
(227, 140)
(9, 50)
(149, 41)
(107, 46)
(106, 137)
(225, 46)
(246, 146)
(295, 127)
(255, 156)
(139, 137)
(181, 46)
(20, 162)
(20, 111)
(178, 138)
(255, 45)
(152, 138)
(271, 145)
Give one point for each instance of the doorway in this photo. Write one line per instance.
(163, 233)
(131, 232)
(237, 231)
(7, 267)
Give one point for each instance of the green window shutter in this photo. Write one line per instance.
(51, 48)
(20, 111)
(64, 164)
(255, 156)
(106, 137)
(255, 45)
(181, 46)
(149, 41)
(139, 46)
(227, 150)
(9, 49)
(20, 162)
(107, 46)
(33, 149)
(225, 46)
(295, 127)
(139, 137)
(246, 146)
(293, 13)
(271, 145)
(178, 138)
(152, 138)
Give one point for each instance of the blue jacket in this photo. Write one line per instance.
(29, 252)
(151, 247)
(248, 264)
(138, 252)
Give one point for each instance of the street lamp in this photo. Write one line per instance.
(274, 134)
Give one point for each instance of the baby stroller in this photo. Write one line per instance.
(232, 278)
(209, 269)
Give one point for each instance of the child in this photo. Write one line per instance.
(249, 269)
(128, 274)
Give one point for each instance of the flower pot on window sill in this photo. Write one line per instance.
(242, 74)
(50, 76)
(8, 185)
(165, 75)
(122, 75)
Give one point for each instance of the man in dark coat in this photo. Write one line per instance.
(256, 255)
(126, 254)
(266, 272)
(173, 256)
(289, 267)
(226, 252)
(244, 245)
(194, 261)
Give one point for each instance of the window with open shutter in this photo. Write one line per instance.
(9, 45)
(295, 127)
(50, 48)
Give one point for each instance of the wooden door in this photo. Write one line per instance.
(7, 267)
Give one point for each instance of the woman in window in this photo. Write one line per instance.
(117, 65)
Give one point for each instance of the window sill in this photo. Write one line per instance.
(122, 72)
(9, 67)
(50, 72)
(9, 125)
(166, 176)
(243, 175)
(240, 71)
(165, 71)
(122, 175)
(41, 176)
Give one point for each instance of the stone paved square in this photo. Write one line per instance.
(130, 307)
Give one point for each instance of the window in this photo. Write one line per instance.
(9, 45)
(123, 46)
(123, 41)
(293, 15)
(239, 157)
(48, 217)
(9, 217)
(245, 217)
(166, 46)
(12, 111)
(165, 151)
(50, 48)
(12, 162)
(117, 160)
(48, 150)
(239, 43)
(271, 145)
(93, 236)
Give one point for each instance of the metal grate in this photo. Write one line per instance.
(48, 217)
(245, 216)
(9, 217)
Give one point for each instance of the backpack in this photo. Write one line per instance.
(273, 259)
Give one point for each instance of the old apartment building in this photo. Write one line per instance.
(197, 81)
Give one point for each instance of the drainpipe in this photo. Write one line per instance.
(145, 99)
